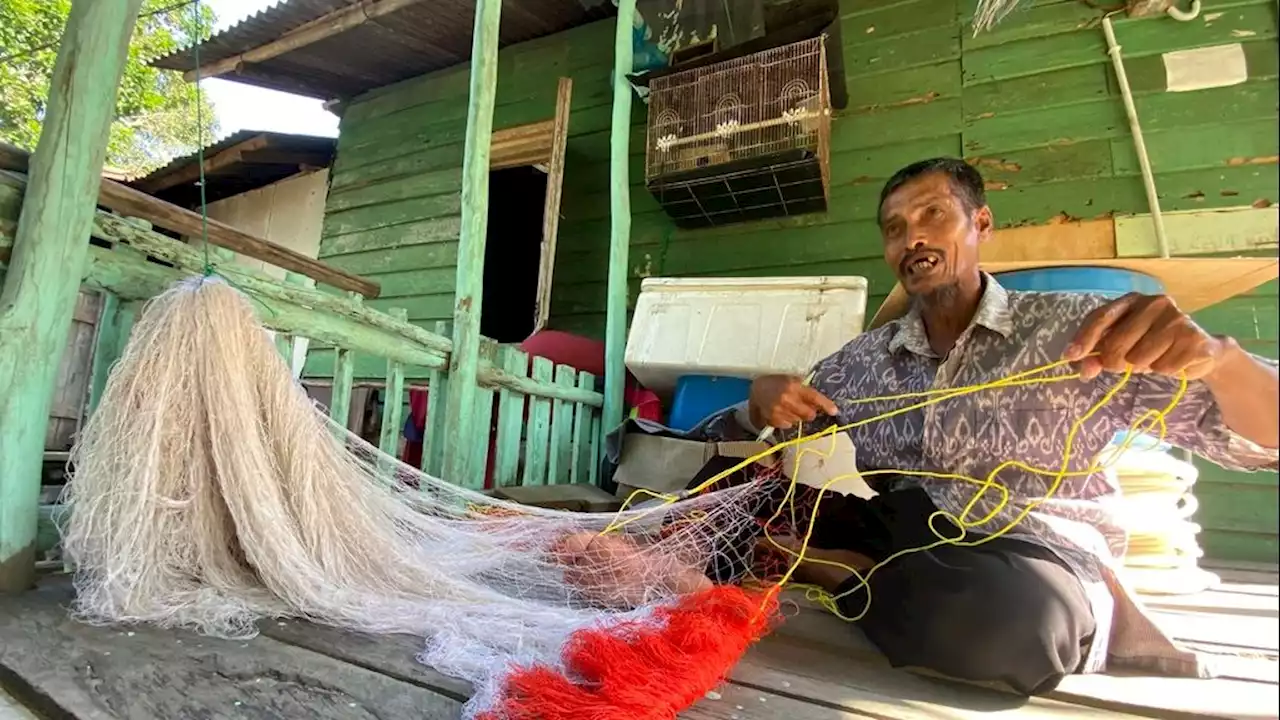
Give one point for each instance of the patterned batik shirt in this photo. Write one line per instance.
(971, 435)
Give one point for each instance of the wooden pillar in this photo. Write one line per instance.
(465, 359)
(53, 235)
(619, 222)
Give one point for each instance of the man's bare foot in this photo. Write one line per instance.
(827, 569)
(614, 571)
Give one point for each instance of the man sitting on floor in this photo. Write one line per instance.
(1031, 605)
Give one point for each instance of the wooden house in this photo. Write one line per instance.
(1033, 103)
(531, 117)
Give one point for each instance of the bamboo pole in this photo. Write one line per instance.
(465, 360)
(39, 294)
(619, 222)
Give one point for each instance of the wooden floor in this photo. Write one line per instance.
(812, 667)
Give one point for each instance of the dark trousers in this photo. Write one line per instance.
(1005, 611)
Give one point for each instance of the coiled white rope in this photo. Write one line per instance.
(1156, 508)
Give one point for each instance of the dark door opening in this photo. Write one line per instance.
(513, 253)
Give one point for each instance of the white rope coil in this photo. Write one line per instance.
(1156, 509)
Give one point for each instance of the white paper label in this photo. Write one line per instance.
(828, 461)
(1203, 68)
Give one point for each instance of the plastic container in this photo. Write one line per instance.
(698, 396)
(740, 327)
(1112, 282)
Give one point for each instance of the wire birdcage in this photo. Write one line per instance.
(754, 129)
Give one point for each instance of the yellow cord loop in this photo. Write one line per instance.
(1151, 422)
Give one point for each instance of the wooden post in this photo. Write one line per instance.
(53, 235)
(465, 359)
(619, 222)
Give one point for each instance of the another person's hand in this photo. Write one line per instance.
(781, 401)
(1148, 332)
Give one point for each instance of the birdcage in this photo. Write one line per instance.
(744, 139)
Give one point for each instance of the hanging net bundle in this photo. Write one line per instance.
(210, 492)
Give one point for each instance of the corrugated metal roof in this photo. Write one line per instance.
(275, 157)
(417, 39)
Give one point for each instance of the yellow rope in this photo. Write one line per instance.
(1153, 420)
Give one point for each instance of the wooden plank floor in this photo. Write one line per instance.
(812, 667)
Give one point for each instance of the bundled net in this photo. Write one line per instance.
(210, 492)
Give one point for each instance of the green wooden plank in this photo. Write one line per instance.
(1252, 507)
(1035, 22)
(343, 377)
(387, 214)
(538, 438)
(1241, 230)
(1155, 35)
(907, 86)
(580, 467)
(1204, 146)
(434, 434)
(114, 326)
(420, 185)
(561, 453)
(1138, 37)
(284, 346)
(39, 293)
(353, 171)
(464, 362)
(1103, 197)
(367, 367)
(928, 47)
(426, 232)
(1243, 318)
(1087, 159)
(902, 123)
(1039, 91)
(619, 216)
(898, 20)
(482, 421)
(1106, 119)
(1249, 547)
(417, 282)
(393, 401)
(423, 308)
(415, 257)
(597, 442)
(511, 419)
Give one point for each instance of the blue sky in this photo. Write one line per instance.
(244, 107)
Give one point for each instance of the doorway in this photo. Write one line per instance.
(513, 253)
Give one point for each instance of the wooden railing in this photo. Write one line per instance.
(545, 422)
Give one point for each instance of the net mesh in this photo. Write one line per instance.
(211, 492)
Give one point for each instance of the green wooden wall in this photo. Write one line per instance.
(1033, 104)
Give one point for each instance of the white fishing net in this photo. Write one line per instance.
(210, 492)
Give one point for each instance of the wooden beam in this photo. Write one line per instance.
(190, 172)
(551, 207)
(336, 22)
(39, 294)
(135, 203)
(619, 222)
(469, 288)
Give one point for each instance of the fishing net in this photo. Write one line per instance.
(211, 492)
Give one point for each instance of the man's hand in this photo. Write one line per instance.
(1148, 332)
(781, 401)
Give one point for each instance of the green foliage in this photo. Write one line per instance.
(156, 111)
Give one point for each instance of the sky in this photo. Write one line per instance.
(244, 107)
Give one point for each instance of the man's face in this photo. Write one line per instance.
(930, 239)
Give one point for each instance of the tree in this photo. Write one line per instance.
(156, 111)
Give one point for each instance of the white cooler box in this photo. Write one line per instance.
(740, 327)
